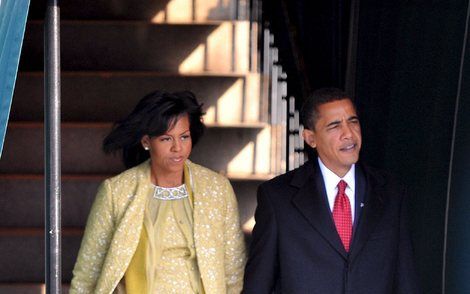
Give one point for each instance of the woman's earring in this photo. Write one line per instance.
(146, 148)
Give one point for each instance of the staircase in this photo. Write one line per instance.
(113, 53)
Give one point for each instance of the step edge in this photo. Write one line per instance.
(80, 177)
(37, 231)
(140, 73)
(107, 125)
(123, 22)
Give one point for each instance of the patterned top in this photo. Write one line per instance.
(171, 256)
(175, 193)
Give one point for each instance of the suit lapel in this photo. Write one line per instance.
(311, 201)
(360, 193)
(371, 211)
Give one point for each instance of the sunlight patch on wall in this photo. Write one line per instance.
(229, 105)
(159, 17)
(242, 52)
(194, 62)
(239, 103)
(219, 48)
(215, 9)
(249, 225)
(209, 117)
(223, 51)
(263, 145)
(175, 11)
(203, 10)
(242, 163)
(179, 10)
(252, 93)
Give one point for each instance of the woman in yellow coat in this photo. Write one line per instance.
(166, 225)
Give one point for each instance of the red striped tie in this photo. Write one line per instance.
(342, 215)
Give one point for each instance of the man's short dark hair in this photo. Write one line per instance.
(309, 112)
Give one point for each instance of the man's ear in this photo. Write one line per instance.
(309, 137)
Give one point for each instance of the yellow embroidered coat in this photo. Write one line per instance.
(116, 220)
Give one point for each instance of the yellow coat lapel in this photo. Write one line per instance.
(134, 190)
(211, 196)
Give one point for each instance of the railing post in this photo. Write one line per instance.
(287, 149)
(52, 169)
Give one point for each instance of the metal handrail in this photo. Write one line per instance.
(52, 163)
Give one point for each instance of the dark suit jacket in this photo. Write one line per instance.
(296, 249)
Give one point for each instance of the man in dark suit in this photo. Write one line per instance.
(332, 226)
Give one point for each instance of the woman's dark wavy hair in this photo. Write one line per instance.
(155, 114)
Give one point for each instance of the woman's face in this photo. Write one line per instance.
(169, 151)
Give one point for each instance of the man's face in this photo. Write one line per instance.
(337, 136)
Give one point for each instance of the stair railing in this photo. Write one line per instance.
(52, 167)
(295, 152)
(287, 145)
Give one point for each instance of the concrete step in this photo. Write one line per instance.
(239, 150)
(27, 288)
(22, 199)
(22, 258)
(167, 10)
(27, 192)
(140, 45)
(22, 254)
(109, 96)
